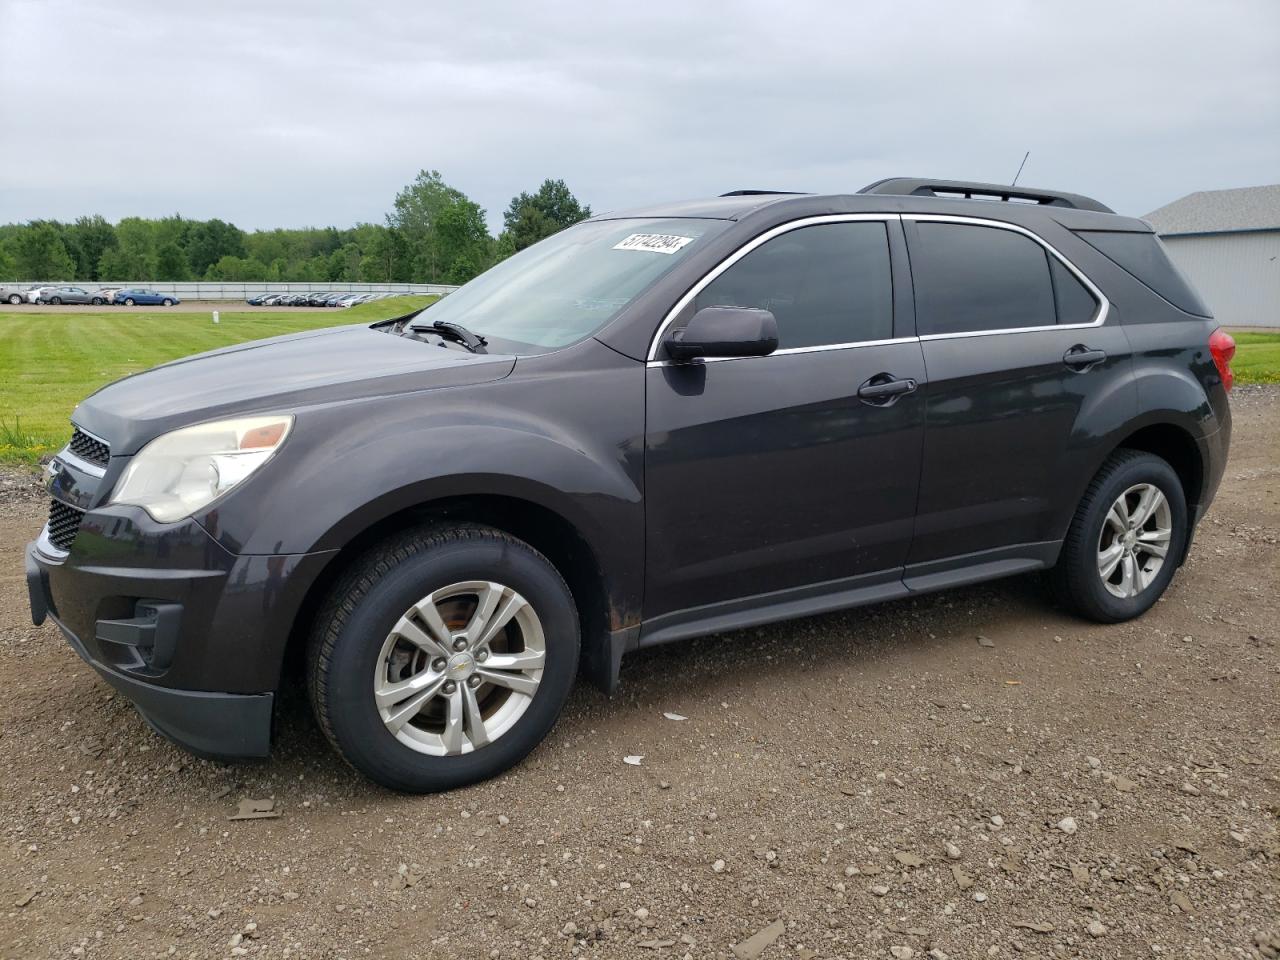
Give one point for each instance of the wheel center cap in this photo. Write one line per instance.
(1130, 539)
(461, 666)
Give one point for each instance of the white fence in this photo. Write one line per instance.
(227, 290)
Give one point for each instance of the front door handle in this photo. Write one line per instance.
(1081, 358)
(884, 388)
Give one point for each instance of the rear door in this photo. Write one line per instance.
(1025, 369)
(768, 474)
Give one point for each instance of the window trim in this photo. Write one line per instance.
(1103, 304)
(1100, 317)
(654, 344)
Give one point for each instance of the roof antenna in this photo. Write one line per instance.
(1020, 166)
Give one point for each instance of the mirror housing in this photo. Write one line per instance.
(724, 332)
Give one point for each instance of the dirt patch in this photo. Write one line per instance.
(879, 781)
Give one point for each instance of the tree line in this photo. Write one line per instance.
(433, 234)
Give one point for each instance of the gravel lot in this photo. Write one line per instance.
(966, 775)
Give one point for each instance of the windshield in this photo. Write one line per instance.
(571, 284)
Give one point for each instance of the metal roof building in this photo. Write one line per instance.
(1228, 243)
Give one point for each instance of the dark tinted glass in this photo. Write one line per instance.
(973, 278)
(825, 284)
(1144, 256)
(1075, 302)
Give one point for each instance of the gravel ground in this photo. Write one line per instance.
(965, 775)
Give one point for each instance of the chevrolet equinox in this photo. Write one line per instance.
(656, 424)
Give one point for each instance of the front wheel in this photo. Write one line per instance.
(443, 657)
(14, 299)
(98, 301)
(128, 301)
(168, 302)
(1125, 540)
(56, 300)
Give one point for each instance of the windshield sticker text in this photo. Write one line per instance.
(653, 242)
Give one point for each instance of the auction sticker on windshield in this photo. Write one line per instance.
(653, 242)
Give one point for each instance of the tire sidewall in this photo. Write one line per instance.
(352, 714)
(1146, 469)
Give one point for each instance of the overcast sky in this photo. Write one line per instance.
(287, 113)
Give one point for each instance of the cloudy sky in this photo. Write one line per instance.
(288, 113)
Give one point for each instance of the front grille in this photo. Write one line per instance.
(64, 521)
(89, 448)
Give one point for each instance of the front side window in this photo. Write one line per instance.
(825, 284)
(970, 278)
(568, 286)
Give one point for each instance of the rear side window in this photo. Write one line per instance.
(825, 284)
(1143, 256)
(971, 278)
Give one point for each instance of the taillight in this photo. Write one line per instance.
(1223, 348)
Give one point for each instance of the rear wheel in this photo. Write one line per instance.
(443, 657)
(128, 301)
(1125, 540)
(98, 301)
(168, 302)
(56, 300)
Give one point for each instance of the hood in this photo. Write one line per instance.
(276, 376)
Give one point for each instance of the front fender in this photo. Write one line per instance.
(565, 434)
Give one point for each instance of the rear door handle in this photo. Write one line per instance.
(884, 388)
(1081, 358)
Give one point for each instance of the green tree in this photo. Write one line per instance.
(133, 258)
(384, 254)
(8, 268)
(237, 268)
(171, 263)
(444, 231)
(531, 217)
(210, 241)
(39, 253)
(87, 240)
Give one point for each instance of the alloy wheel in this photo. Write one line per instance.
(459, 668)
(1134, 541)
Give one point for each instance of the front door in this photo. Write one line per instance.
(765, 476)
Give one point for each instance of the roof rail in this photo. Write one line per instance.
(919, 187)
(758, 193)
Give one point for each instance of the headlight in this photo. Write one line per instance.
(178, 473)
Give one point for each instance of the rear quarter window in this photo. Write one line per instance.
(1143, 257)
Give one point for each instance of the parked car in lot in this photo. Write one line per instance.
(67, 294)
(12, 295)
(142, 297)
(34, 293)
(652, 425)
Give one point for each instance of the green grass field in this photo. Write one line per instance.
(1257, 357)
(50, 361)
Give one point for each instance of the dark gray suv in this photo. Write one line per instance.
(655, 424)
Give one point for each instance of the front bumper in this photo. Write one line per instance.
(207, 723)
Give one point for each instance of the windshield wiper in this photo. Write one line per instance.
(455, 331)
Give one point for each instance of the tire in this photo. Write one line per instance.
(98, 301)
(14, 299)
(128, 302)
(56, 300)
(168, 302)
(1130, 589)
(355, 644)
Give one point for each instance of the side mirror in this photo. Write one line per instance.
(724, 332)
